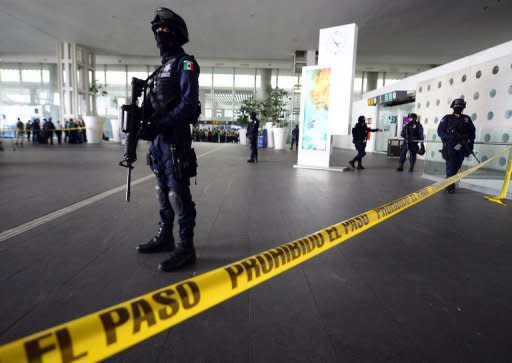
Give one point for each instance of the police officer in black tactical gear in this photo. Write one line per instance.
(359, 136)
(457, 132)
(174, 98)
(412, 133)
(252, 134)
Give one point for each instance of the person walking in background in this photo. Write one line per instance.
(252, 135)
(457, 132)
(359, 136)
(412, 133)
(295, 137)
(49, 131)
(36, 130)
(20, 132)
(28, 129)
(58, 131)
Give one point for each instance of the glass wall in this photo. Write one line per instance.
(27, 91)
(30, 88)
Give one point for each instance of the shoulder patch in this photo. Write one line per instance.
(188, 66)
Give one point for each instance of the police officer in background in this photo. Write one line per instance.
(412, 133)
(295, 138)
(457, 132)
(252, 134)
(359, 136)
(173, 102)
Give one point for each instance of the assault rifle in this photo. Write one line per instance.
(136, 123)
(132, 123)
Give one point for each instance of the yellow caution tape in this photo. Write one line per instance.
(101, 334)
(498, 199)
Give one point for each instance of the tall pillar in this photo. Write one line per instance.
(75, 68)
(371, 81)
(311, 57)
(265, 83)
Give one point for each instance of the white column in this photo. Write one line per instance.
(76, 65)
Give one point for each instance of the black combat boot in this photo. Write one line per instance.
(183, 255)
(162, 242)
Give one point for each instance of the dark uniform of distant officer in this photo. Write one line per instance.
(252, 134)
(412, 133)
(457, 132)
(295, 137)
(359, 136)
(174, 99)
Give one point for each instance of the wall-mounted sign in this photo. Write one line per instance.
(390, 97)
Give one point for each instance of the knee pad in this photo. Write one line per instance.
(161, 197)
(176, 202)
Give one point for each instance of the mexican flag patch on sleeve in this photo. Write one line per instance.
(188, 65)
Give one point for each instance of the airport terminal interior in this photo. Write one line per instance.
(300, 256)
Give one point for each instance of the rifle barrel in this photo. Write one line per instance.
(128, 182)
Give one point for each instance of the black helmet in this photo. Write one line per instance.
(361, 119)
(413, 116)
(175, 23)
(458, 101)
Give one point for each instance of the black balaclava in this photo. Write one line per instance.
(458, 109)
(167, 44)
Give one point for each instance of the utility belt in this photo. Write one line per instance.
(180, 162)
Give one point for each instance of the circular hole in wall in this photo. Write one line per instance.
(433, 137)
(436, 120)
(508, 114)
(490, 115)
(426, 120)
(476, 96)
(502, 161)
(418, 105)
(433, 154)
(420, 90)
(484, 158)
(438, 102)
(505, 137)
(439, 84)
(428, 88)
(487, 137)
(474, 116)
(478, 74)
(495, 70)
(428, 104)
(492, 93)
(510, 90)
(451, 81)
(463, 79)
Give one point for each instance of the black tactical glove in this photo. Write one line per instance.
(130, 158)
(468, 149)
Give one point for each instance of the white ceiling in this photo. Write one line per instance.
(390, 31)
